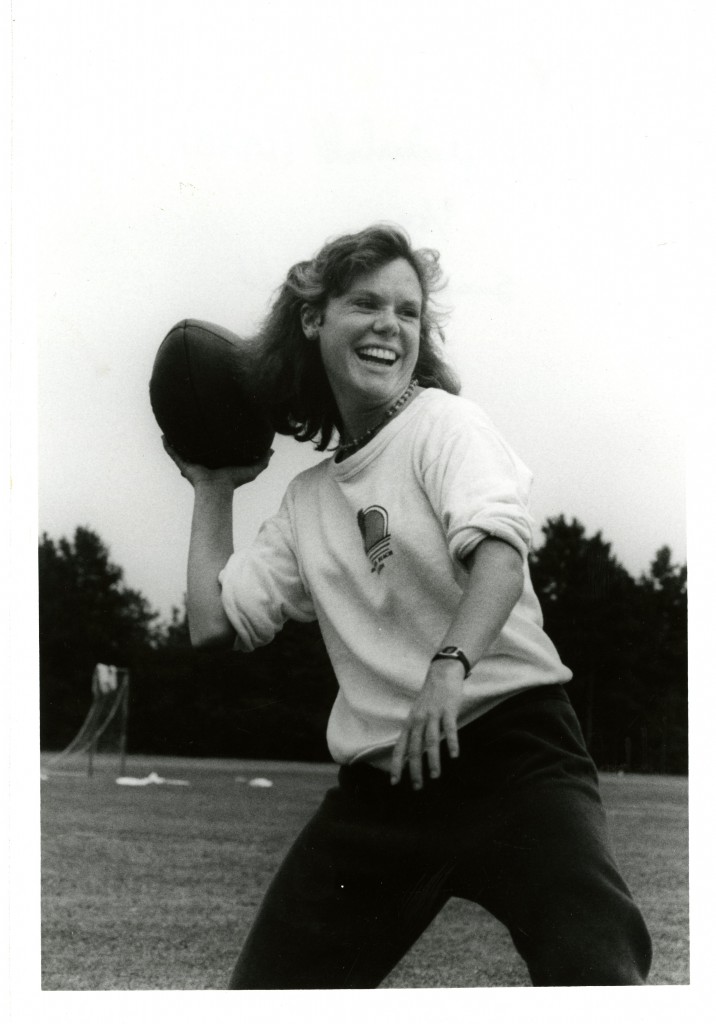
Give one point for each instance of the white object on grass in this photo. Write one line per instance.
(261, 783)
(128, 780)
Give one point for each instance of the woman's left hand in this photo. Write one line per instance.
(433, 715)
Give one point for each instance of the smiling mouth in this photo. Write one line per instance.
(377, 356)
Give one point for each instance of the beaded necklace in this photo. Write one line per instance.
(348, 447)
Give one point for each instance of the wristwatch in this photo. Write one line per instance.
(454, 654)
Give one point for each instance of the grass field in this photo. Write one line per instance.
(155, 887)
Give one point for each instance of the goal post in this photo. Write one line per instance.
(105, 726)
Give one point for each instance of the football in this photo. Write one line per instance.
(204, 399)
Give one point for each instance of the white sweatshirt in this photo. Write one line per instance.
(373, 548)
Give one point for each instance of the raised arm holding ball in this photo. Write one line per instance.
(463, 771)
(211, 544)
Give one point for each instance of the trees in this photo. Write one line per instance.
(86, 615)
(625, 641)
(587, 599)
(664, 662)
(272, 703)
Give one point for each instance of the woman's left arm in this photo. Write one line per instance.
(495, 583)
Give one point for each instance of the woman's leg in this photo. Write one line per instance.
(547, 868)
(349, 900)
(516, 824)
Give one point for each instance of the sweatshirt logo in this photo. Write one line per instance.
(373, 525)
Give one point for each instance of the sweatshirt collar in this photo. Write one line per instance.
(356, 462)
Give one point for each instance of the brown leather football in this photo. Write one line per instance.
(204, 398)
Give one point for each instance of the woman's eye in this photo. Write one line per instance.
(410, 313)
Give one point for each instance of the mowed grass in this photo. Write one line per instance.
(155, 887)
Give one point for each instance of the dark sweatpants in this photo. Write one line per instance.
(515, 824)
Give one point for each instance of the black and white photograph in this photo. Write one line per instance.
(355, 354)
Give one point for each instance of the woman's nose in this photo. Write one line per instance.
(385, 322)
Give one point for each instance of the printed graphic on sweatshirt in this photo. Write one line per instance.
(373, 525)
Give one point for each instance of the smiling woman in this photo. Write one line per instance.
(376, 290)
(463, 769)
(369, 340)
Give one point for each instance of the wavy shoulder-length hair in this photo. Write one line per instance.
(292, 379)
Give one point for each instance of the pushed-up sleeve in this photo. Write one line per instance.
(263, 587)
(476, 484)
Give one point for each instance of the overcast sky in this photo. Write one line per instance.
(190, 152)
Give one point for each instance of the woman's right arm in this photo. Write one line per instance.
(211, 545)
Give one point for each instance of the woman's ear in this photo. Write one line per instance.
(310, 319)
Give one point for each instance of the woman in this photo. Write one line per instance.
(463, 770)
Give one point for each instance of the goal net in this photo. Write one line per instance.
(104, 731)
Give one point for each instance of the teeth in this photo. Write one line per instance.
(383, 355)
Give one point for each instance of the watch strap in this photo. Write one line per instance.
(454, 654)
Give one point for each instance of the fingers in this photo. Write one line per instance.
(432, 748)
(396, 766)
(237, 475)
(415, 755)
(168, 449)
(251, 472)
(451, 740)
(422, 737)
(174, 456)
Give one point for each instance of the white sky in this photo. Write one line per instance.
(191, 152)
(187, 153)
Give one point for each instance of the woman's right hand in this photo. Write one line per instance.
(196, 474)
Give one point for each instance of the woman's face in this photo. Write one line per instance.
(369, 337)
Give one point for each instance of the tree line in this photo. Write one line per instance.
(623, 637)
